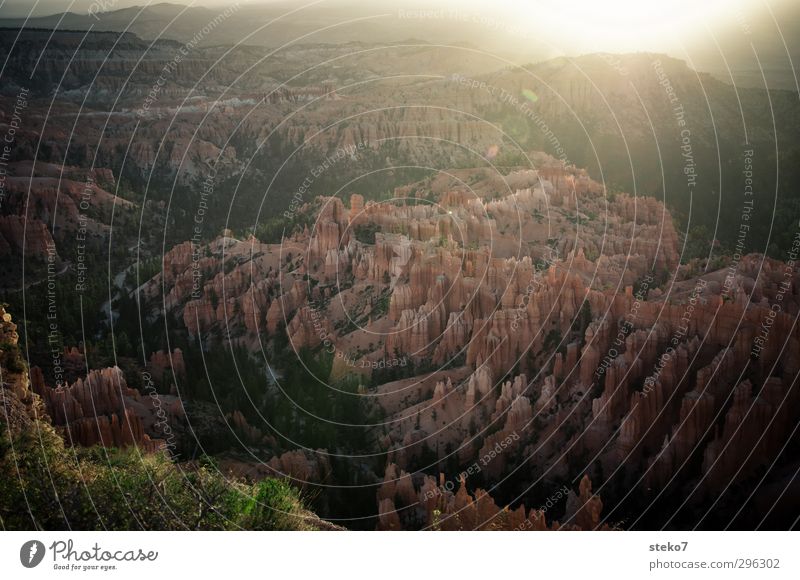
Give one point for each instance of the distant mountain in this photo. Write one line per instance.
(651, 124)
(280, 23)
(615, 114)
(767, 52)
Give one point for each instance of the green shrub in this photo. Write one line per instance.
(47, 485)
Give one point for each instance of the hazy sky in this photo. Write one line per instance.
(567, 26)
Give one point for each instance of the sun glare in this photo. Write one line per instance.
(628, 25)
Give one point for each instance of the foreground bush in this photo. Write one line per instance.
(47, 485)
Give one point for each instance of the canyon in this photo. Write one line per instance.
(574, 351)
(423, 306)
